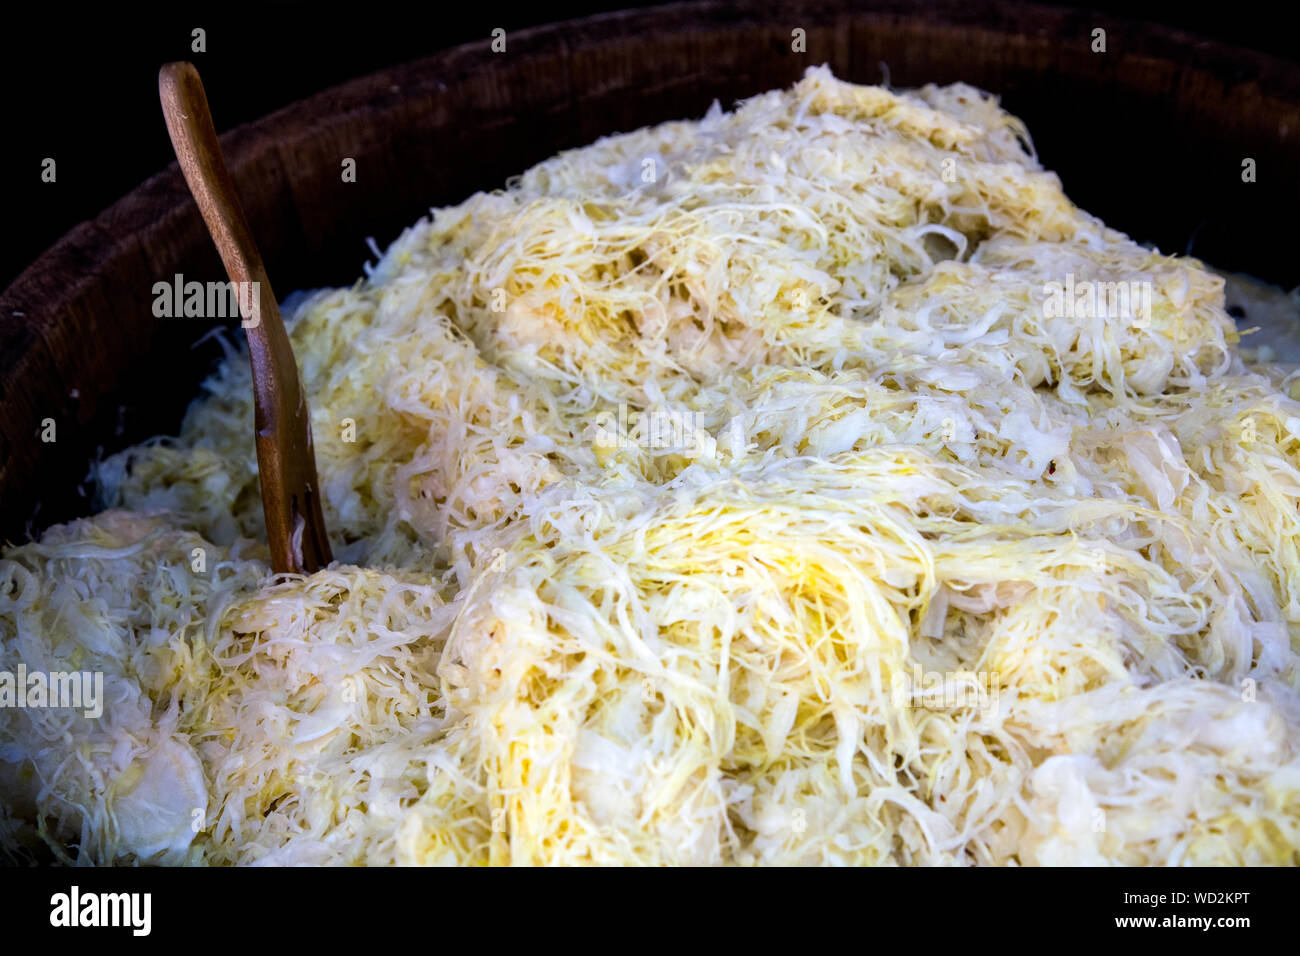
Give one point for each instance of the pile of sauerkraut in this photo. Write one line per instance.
(723, 492)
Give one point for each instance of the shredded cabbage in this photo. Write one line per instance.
(923, 574)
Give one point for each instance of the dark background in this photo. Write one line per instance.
(80, 85)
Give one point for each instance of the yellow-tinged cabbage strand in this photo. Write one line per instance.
(933, 576)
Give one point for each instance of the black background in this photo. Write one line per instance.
(80, 85)
(372, 911)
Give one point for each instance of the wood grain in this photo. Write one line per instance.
(286, 462)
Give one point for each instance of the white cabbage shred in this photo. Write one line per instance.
(539, 645)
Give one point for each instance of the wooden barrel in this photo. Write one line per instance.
(1150, 133)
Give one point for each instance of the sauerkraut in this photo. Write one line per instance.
(724, 492)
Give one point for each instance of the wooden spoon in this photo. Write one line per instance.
(286, 463)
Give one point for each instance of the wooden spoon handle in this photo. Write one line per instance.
(286, 461)
(185, 108)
